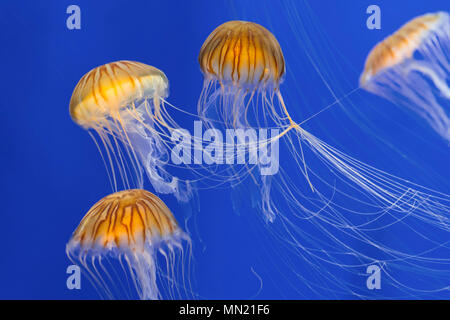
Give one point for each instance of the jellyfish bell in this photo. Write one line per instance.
(124, 103)
(105, 91)
(133, 227)
(242, 54)
(137, 211)
(411, 67)
(240, 60)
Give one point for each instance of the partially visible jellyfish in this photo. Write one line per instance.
(412, 68)
(331, 209)
(123, 102)
(132, 235)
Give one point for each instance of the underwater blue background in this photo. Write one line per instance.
(51, 172)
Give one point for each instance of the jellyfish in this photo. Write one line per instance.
(124, 103)
(241, 62)
(135, 228)
(324, 205)
(411, 68)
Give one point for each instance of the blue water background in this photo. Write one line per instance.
(51, 172)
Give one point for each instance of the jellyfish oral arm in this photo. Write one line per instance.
(440, 84)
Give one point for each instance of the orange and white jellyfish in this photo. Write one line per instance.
(123, 102)
(240, 61)
(331, 208)
(411, 67)
(243, 67)
(135, 228)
